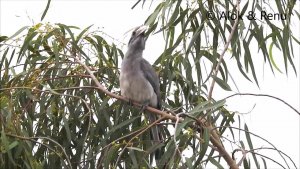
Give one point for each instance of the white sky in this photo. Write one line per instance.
(270, 119)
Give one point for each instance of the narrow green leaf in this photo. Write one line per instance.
(203, 148)
(124, 123)
(182, 125)
(195, 36)
(175, 13)
(251, 145)
(265, 163)
(170, 34)
(110, 156)
(271, 57)
(215, 162)
(18, 32)
(25, 45)
(244, 8)
(3, 57)
(6, 143)
(200, 108)
(181, 17)
(224, 70)
(189, 161)
(80, 50)
(67, 129)
(3, 38)
(81, 33)
(240, 67)
(46, 9)
(222, 83)
(215, 41)
(248, 60)
(151, 19)
(11, 146)
(246, 163)
(63, 26)
(280, 9)
(136, 149)
(286, 51)
(133, 157)
(170, 148)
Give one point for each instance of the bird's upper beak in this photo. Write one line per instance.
(142, 29)
(139, 33)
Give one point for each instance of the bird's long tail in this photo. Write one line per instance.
(156, 136)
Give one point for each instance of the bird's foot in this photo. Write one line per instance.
(144, 105)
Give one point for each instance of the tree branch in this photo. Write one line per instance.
(264, 95)
(215, 72)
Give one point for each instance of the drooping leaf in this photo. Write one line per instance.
(249, 141)
(221, 83)
(46, 9)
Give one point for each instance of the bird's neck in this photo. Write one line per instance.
(136, 53)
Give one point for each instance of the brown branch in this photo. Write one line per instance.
(215, 73)
(255, 135)
(215, 138)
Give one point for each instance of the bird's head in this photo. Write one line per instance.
(138, 38)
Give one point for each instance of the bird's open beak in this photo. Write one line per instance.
(142, 29)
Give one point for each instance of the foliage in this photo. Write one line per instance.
(53, 114)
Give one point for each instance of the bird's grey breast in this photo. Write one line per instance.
(133, 83)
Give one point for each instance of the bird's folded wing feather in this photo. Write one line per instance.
(153, 79)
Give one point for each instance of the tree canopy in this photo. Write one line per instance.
(60, 100)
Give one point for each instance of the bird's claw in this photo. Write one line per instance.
(144, 106)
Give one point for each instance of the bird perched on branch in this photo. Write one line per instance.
(139, 81)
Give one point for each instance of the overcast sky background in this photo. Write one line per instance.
(270, 119)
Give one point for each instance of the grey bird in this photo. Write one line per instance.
(139, 81)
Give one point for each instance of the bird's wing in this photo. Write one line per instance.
(153, 79)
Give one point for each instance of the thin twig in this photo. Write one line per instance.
(253, 152)
(270, 148)
(244, 152)
(264, 95)
(215, 73)
(215, 139)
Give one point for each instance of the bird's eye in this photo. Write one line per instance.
(133, 33)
